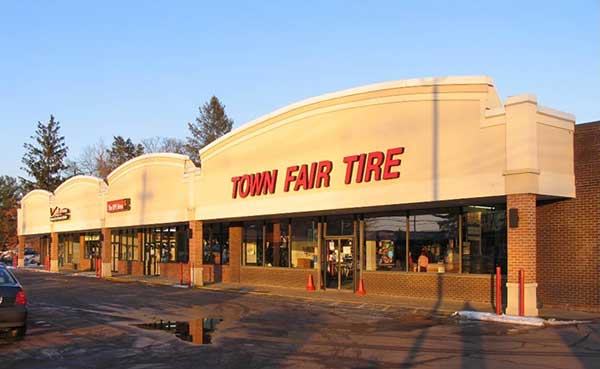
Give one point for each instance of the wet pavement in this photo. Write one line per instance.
(78, 322)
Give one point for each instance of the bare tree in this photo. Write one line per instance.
(163, 144)
(152, 144)
(94, 160)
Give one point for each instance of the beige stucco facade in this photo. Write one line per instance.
(458, 140)
(158, 187)
(405, 145)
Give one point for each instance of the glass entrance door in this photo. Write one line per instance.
(151, 258)
(94, 253)
(340, 264)
(115, 257)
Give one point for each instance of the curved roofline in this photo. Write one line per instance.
(415, 82)
(79, 178)
(36, 191)
(157, 155)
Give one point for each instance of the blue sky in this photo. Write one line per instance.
(141, 69)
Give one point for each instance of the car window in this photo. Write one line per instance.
(5, 277)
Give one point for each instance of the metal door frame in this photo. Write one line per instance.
(325, 253)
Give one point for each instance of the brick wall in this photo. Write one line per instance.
(522, 240)
(235, 250)
(173, 271)
(569, 232)
(476, 288)
(284, 277)
(195, 243)
(226, 274)
(84, 264)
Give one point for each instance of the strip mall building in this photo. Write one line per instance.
(419, 187)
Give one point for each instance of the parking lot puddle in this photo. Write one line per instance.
(196, 331)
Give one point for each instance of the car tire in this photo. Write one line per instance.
(19, 333)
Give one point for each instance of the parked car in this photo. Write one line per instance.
(13, 305)
(31, 257)
(6, 257)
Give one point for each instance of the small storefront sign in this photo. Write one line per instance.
(116, 206)
(57, 214)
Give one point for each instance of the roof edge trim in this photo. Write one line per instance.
(158, 155)
(415, 82)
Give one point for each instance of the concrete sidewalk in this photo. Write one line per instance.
(418, 305)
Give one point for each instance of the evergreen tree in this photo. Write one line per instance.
(45, 159)
(10, 193)
(121, 151)
(212, 123)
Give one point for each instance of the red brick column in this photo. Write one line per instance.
(106, 254)
(196, 250)
(522, 253)
(235, 250)
(21, 253)
(54, 252)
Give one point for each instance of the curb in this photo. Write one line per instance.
(413, 308)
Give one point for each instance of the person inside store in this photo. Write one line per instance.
(423, 261)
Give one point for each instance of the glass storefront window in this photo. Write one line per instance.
(252, 247)
(68, 249)
(125, 243)
(304, 243)
(434, 243)
(167, 244)
(92, 245)
(277, 244)
(215, 242)
(340, 225)
(76, 255)
(483, 239)
(182, 244)
(385, 242)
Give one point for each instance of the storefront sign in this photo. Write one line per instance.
(374, 166)
(57, 214)
(116, 206)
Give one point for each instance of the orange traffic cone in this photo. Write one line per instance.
(310, 286)
(361, 288)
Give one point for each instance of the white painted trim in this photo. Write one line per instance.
(417, 82)
(36, 192)
(556, 113)
(561, 125)
(522, 98)
(130, 168)
(80, 179)
(340, 107)
(520, 171)
(147, 157)
(495, 112)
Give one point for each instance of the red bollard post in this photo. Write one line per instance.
(180, 273)
(15, 260)
(498, 291)
(47, 262)
(190, 275)
(521, 292)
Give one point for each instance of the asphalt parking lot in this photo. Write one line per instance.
(78, 322)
